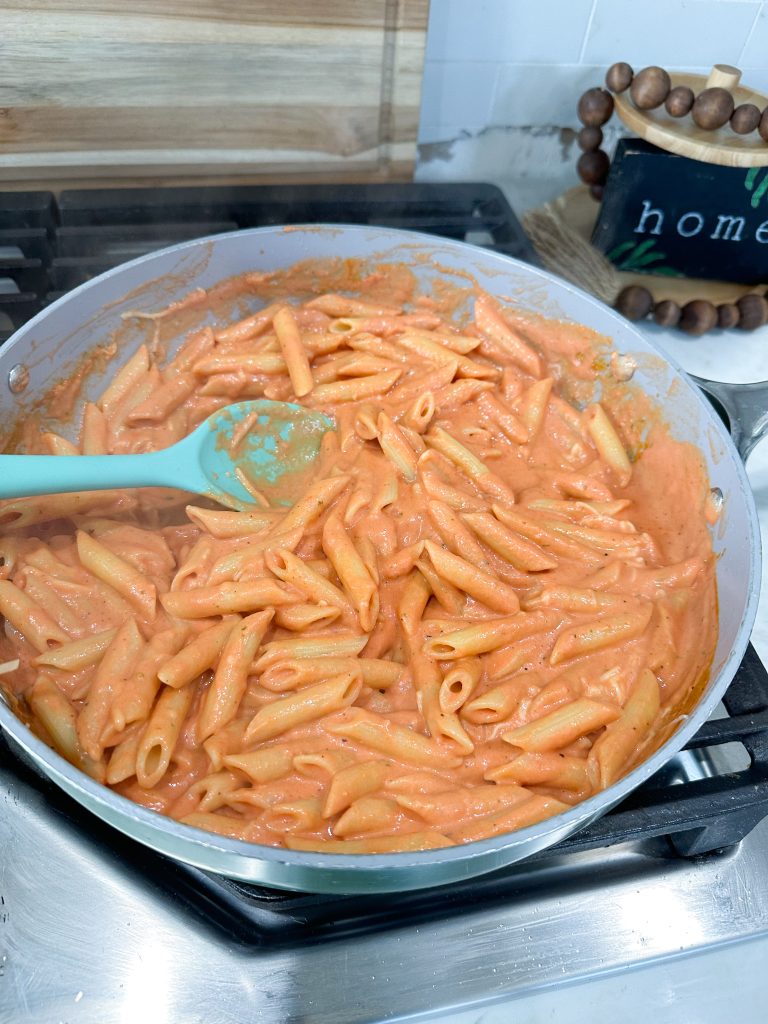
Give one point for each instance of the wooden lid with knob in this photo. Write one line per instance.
(685, 138)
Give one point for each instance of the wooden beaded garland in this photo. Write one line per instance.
(712, 108)
(667, 313)
(650, 87)
(697, 317)
(593, 167)
(679, 101)
(745, 118)
(590, 137)
(727, 315)
(634, 302)
(753, 311)
(595, 107)
(619, 76)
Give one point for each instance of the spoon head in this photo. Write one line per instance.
(260, 446)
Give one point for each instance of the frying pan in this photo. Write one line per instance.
(49, 345)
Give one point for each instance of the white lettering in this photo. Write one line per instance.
(648, 211)
(690, 232)
(733, 228)
(761, 232)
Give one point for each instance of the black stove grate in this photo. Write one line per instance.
(48, 247)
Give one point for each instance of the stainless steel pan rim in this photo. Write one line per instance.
(400, 871)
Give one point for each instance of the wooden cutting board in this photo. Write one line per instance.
(116, 90)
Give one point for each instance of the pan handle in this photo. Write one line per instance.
(745, 405)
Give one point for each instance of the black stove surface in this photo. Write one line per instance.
(48, 247)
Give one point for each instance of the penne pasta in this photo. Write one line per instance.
(223, 696)
(223, 524)
(351, 570)
(459, 683)
(376, 673)
(599, 633)
(458, 804)
(623, 738)
(492, 324)
(607, 442)
(117, 573)
(308, 704)
(29, 619)
(480, 585)
(226, 599)
(158, 741)
(529, 812)
(455, 625)
(549, 769)
(488, 635)
(351, 783)
(560, 728)
(302, 577)
(500, 702)
(519, 552)
(58, 717)
(264, 765)
(294, 353)
(197, 656)
(379, 734)
(355, 389)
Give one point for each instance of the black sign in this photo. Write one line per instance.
(666, 214)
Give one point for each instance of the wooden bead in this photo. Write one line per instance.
(593, 167)
(745, 118)
(590, 138)
(666, 313)
(634, 302)
(727, 315)
(679, 101)
(619, 76)
(753, 311)
(650, 87)
(698, 317)
(763, 126)
(595, 107)
(597, 191)
(712, 108)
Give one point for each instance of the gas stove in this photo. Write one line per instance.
(96, 929)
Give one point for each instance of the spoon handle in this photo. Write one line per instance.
(28, 475)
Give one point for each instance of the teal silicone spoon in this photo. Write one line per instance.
(263, 443)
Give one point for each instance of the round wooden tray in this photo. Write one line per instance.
(683, 137)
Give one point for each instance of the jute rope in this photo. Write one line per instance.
(563, 251)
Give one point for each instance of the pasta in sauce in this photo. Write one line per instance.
(479, 611)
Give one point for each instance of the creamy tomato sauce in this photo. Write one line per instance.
(512, 611)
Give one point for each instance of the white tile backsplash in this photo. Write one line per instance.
(755, 53)
(524, 63)
(672, 33)
(529, 95)
(458, 92)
